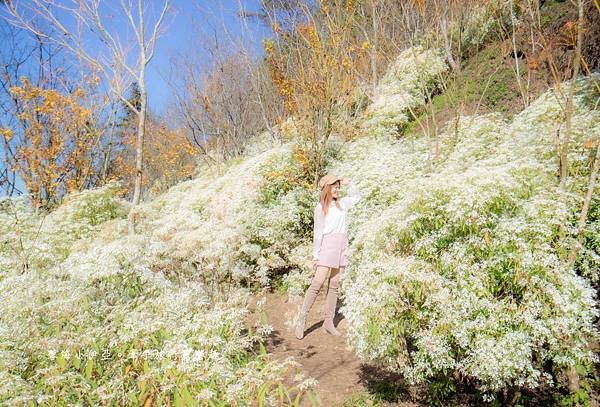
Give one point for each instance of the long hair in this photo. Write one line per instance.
(326, 198)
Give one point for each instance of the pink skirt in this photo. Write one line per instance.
(334, 250)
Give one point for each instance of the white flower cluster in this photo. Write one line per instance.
(204, 223)
(480, 23)
(107, 316)
(403, 89)
(461, 264)
(276, 235)
(124, 328)
(465, 272)
(37, 239)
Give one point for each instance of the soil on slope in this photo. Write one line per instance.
(327, 358)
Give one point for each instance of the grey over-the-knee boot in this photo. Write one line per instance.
(330, 305)
(309, 299)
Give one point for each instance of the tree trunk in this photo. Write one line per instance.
(564, 153)
(139, 153)
(585, 209)
(447, 44)
(109, 147)
(139, 148)
(572, 376)
(141, 131)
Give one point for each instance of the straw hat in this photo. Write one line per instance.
(328, 180)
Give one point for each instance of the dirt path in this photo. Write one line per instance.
(325, 357)
(322, 356)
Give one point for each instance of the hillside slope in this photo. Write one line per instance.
(458, 265)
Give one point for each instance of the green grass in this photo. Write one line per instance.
(361, 399)
(485, 77)
(486, 81)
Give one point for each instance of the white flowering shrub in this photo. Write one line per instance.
(460, 265)
(41, 239)
(480, 24)
(246, 223)
(102, 317)
(104, 328)
(272, 232)
(588, 262)
(201, 222)
(402, 90)
(296, 282)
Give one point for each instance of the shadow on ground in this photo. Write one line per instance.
(386, 385)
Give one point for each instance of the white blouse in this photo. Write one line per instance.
(336, 220)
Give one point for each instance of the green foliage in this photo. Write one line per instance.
(487, 81)
(588, 262)
(589, 382)
(441, 389)
(486, 77)
(274, 230)
(553, 10)
(362, 399)
(279, 176)
(94, 209)
(480, 25)
(201, 207)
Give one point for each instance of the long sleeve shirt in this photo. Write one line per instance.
(336, 220)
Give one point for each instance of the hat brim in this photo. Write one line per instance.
(331, 181)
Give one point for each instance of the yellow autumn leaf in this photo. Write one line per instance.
(6, 133)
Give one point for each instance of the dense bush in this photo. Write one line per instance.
(462, 265)
(481, 24)
(100, 316)
(39, 239)
(104, 327)
(403, 89)
(458, 265)
(276, 236)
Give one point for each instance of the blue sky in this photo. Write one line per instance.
(186, 30)
(189, 22)
(193, 20)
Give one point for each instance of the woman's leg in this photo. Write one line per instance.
(310, 296)
(331, 300)
(315, 286)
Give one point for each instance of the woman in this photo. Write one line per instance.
(330, 247)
